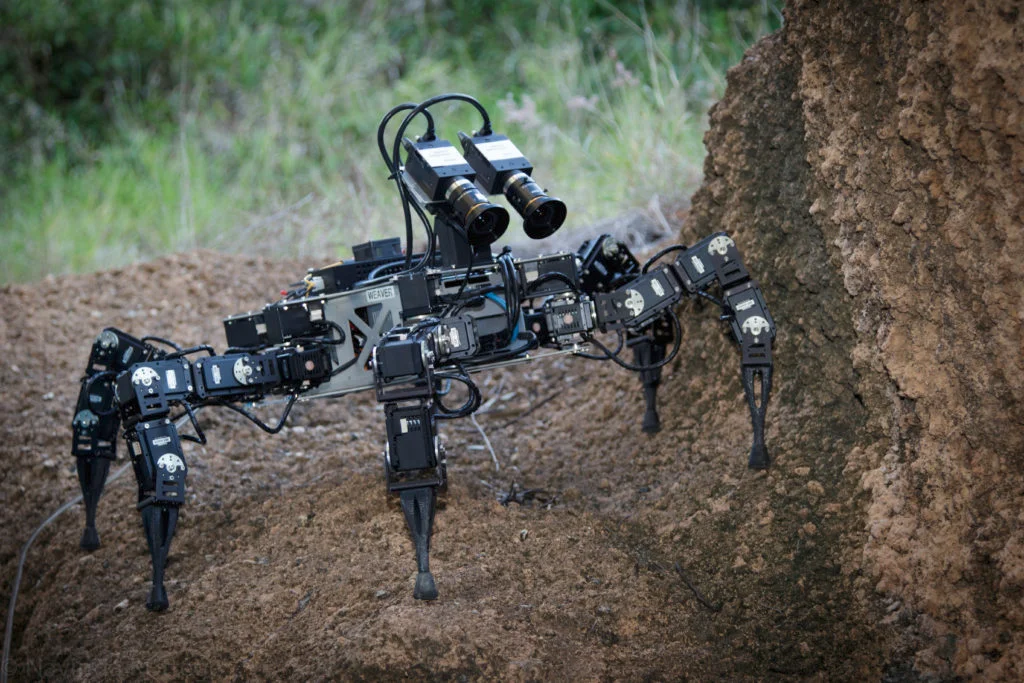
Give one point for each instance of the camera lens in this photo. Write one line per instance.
(484, 222)
(542, 215)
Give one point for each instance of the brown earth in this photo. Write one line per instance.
(867, 160)
(291, 561)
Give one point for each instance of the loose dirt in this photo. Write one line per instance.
(635, 557)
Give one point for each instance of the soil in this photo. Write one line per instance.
(867, 161)
(868, 158)
(636, 557)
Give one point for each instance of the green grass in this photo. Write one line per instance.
(266, 142)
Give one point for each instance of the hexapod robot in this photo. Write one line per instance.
(408, 326)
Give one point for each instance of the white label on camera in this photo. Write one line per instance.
(499, 150)
(698, 264)
(442, 156)
(380, 294)
(216, 374)
(172, 379)
(162, 441)
(657, 288)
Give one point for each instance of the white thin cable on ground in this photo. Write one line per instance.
(9, 630)
(494, 456)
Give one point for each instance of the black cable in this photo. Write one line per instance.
(701, 292)
(508, 354)
(393, 167)
(462, 287)
(200, 437)
(375, 273)
(472, 402)
(663, 252)
(618, 349)
(478, 294)
(677, 332)
(431, 239)
(161, 340)
(396, 160)
(190, 350)
(551, 277)
(255, 420)
(242, 349)
(345, 366)
(511, 277)
(321, 340)
(381, 129)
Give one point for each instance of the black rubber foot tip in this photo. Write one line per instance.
(425, 588)
(157, 600)
(759, 459)
(652, 425)
(90, 539)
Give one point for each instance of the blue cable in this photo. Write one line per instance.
(501, 302)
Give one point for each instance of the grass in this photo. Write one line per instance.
(269, 145)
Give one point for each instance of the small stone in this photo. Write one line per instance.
(802, 471)
(92, 615)
(48, 396)
(121, 605)
(810, 529)
(523, 534)
(381, 594)
(815, 488)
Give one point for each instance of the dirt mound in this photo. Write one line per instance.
(291, 560)
(868, 158)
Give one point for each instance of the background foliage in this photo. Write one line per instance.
(133, 128)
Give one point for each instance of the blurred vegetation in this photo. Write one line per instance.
(132, 128)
